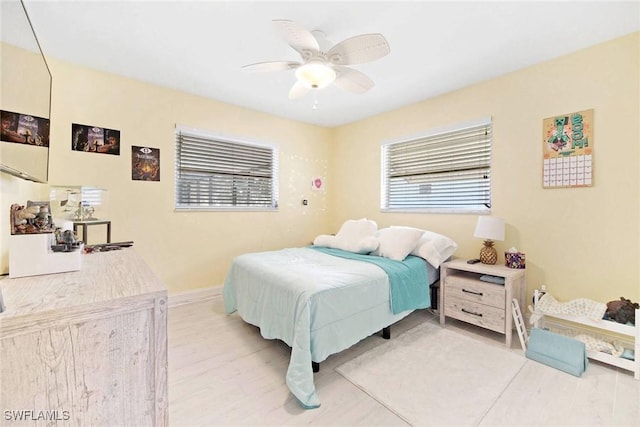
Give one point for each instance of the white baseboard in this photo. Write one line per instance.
(195, 295)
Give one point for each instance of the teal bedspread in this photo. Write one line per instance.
(298, 294)
(407, 278)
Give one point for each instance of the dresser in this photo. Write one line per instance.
(465, 297)
(85, 348)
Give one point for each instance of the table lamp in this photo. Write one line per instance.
(489, 228)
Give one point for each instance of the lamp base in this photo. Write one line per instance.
(488, 254)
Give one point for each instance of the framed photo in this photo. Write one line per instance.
(145, 163)
(93, 139)
(24, 129)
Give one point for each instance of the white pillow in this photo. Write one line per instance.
(433, 247)
(324, 240)
(354, 236)
(397, 242)
(354, 230)
(362, 246)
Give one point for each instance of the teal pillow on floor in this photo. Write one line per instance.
(560, 352)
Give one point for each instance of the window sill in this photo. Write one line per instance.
(463, 211)
(225, 209)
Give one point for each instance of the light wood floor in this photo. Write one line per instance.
(223, 373)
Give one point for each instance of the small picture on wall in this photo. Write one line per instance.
(93, 139)
(567, 150)
(145, 164)
(24, 129)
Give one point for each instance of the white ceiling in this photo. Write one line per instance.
(436, 47)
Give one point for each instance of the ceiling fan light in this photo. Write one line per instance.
(315, 75)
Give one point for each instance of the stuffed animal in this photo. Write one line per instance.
(622, 311)
(21, 217)
(22, 214)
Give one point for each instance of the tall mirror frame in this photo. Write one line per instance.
(25, 96)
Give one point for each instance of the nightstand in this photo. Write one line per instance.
(465, 297)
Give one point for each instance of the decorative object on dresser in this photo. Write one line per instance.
(79, 203)
(36, 246)
(84, 206)
(34, 218)
(85, 229)
(489, 228)
(473, 293)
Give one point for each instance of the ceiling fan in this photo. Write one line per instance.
(323, 64)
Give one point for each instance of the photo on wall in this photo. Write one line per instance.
(24, 129)
(94, 139)
(145, 164)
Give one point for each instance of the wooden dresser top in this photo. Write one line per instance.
(103, 278)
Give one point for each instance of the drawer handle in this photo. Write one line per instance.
(472, 313)
(472, 292)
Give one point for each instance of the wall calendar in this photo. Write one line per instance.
(568, 150)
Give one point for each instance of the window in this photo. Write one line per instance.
(446, 170)
(221, 173)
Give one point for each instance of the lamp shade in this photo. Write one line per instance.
(315, 75)
(489, 228)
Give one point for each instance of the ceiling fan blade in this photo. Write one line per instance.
(352, 80)
(359, 49)
(297, 90)
(297, 37)
(270, 66)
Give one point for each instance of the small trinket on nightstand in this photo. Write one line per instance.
(514, 259)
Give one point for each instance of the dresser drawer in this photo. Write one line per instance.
(471, 289)
(472, 312)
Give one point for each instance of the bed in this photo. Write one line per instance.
(321, 300)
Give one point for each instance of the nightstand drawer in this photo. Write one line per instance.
(469, 288)
(477, 314)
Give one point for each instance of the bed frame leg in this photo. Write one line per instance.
(315, 366)
(386, 333)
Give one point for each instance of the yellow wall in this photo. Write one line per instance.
(187, 250)
(581, 242)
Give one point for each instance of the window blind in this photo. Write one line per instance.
(448, 170)
(217, 173)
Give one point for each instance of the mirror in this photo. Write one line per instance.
(25, 96)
